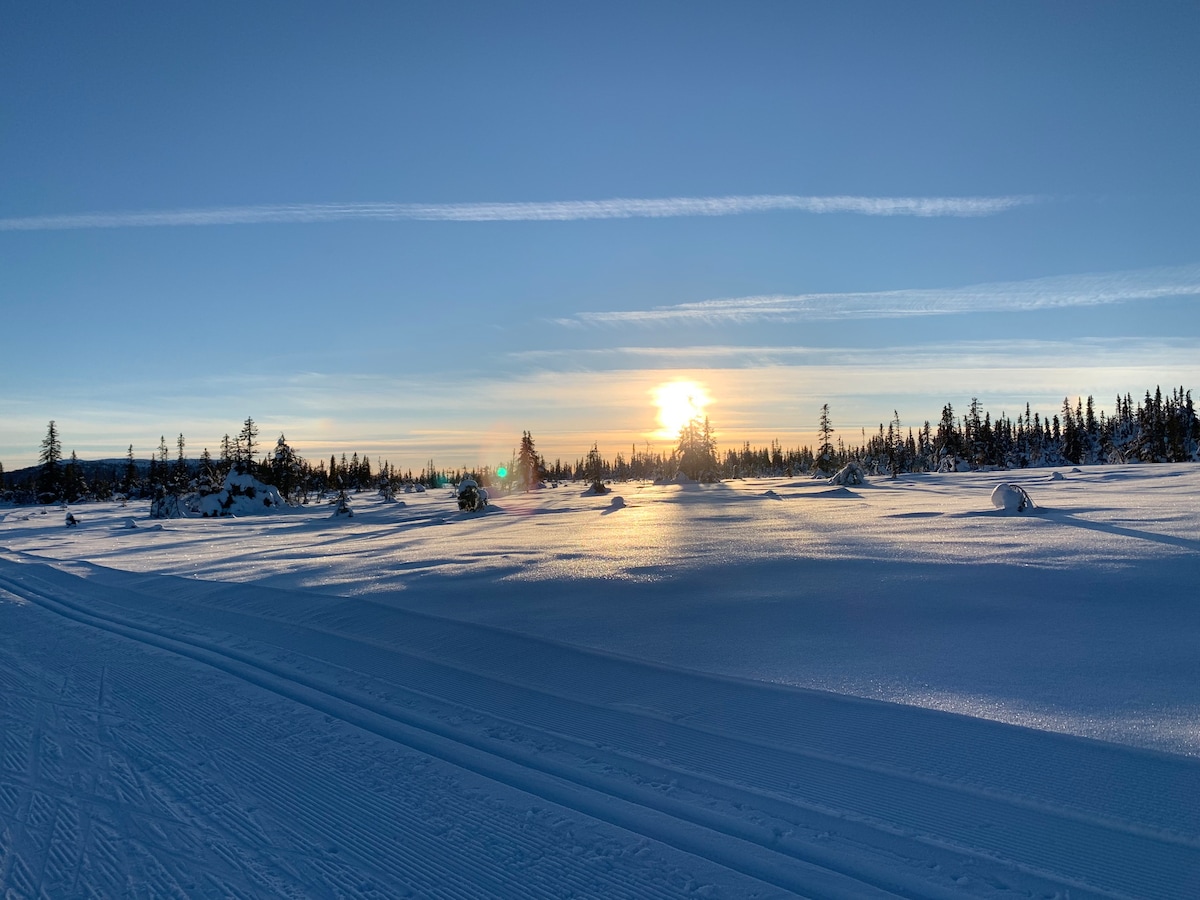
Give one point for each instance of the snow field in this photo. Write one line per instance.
(562, 698)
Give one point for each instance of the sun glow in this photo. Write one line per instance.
(678, 403)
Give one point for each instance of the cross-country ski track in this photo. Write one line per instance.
(807, 793)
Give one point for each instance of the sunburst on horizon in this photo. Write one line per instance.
(679, 402)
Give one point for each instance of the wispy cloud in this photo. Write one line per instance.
(1169, 353)
(1011, 296)
(554, 211)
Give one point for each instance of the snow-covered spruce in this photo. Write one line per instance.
(471, 497)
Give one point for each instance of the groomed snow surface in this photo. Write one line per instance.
(763, 688)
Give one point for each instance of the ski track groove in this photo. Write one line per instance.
(896, 795)
(335, 822)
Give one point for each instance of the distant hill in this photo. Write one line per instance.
(91, 468)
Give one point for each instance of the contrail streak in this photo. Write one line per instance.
(1016, 296)
(555, 211)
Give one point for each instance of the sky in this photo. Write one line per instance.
(415, 231)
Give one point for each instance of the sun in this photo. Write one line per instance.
(678, 403)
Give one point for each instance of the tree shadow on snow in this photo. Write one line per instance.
(1066, 518)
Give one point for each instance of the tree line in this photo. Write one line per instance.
(1159, 428)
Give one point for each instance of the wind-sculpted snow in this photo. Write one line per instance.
(682, 695)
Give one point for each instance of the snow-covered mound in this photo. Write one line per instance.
(1011, 498)
(241, 495)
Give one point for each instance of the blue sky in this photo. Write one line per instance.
(416, 230)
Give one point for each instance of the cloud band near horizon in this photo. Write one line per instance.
(553, 211)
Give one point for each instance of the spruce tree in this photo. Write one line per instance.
(207, 475)
(1071, 445)
(160, 474)
(247, 440)
(74, 485)
(228, 455)
(530, 468)
(825, 458)
(948, 442)
(49, 480)
(129, 482)
(697, 450)
(285, 468)
(179, 474)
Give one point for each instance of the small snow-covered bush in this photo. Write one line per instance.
(851, 473)
(166, 506)
(953, 464)
(342, 506)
